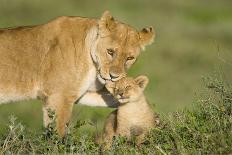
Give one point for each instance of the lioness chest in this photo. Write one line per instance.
(90, 81)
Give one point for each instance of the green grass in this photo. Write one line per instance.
(205, 129)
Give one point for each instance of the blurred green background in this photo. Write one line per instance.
(194, 38)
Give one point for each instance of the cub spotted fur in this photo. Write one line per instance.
(133, 117)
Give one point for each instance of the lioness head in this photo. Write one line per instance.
(118, 46)
(127, 89)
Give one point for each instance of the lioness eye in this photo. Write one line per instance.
(128, 87)
(110, 52)
(130, 58)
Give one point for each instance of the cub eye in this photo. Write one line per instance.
(110, 52)
(128, 87)
(130, 58)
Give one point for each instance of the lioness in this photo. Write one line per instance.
(66, 60)
(133, 117)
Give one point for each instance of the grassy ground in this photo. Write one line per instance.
(205, 129)
(193, 39)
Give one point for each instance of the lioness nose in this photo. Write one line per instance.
(113, 76)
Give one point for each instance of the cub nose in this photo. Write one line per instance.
(120, 94)
(114, 76)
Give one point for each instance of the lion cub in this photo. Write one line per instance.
(133, 117)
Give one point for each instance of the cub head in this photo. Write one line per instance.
(127, 89)
(117, 47)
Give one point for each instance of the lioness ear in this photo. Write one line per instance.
(142, 81)
(106, 24)
(146, 36)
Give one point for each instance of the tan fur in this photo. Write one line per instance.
(134, 117)
(61, 60)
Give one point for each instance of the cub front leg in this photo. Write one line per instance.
(140, 139)
(62, 106)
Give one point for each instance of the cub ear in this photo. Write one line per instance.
(106, 24)
(142, 81)
(146, 36)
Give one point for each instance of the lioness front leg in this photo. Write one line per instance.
(62, 106)
(100, 98)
